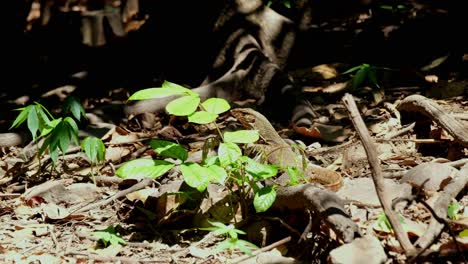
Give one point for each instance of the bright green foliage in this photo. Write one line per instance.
(258, 170)
(264, 199)
(72, 105)
(59, 132)
(202, 117)
(242, 136)
(59, 138)
(216, 105)
(167, 89)
(109, 236)
(94, 148)
(196, 176)
(216, 173)
(219, 229)
(452, 211)
(464, 233)
(144, 168)
(169, 149)
(363, 72)
(183, 106)
(294, 173)
(232, 241)
(37, 118)
(286, 3)
(228, 153)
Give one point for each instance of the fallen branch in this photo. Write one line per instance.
(377, 176)
(441, 206)
(427, 107)
(142, 184)
(263, 249)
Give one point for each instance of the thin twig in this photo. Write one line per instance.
(112, 259)
(263, 249)
(374, 164)
(401, 131)
(142, 184)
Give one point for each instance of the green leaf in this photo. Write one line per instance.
(464, 233)
(169, 149)
(33, 122)
(22, 116)
(216, 105)
(94, 149)
(260, 171)
(50, 127)
(183, 106)
(64, 135)
(217, 173)
(219, 228)
(452, 211)
(286, 3)
(353, 69)
(242, 136)
(72, 128)
(54, 152)
(167, 89)
(264, 199)
(202, 117)
(73, 105)
(213, 160)
(228, 153)
(109, 236)
(174, 86)
(144, 168)
(294, 173)
(360, 76)
(195, 175)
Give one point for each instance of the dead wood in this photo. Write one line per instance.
(377, 176)
(440, 207)
(429, 108)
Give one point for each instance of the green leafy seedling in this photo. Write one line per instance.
(109, 236)
(73, 106)
(38, 119)
(452, 211)
(60, 137)
(286, 3)
(232, 241)
(95, 150)
(363, 72)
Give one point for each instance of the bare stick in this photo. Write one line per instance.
(377, 176)
(142, 184)
(263, 249)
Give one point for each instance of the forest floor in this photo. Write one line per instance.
(60, 213)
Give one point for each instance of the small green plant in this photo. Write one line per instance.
(453, 210)
(286, 3)
(230, 164)
(363, 72)
(95, 150)
(37, 117)
(73, 106)
(232, 241)
(109, 236)
(395, 8)
(57, 132)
